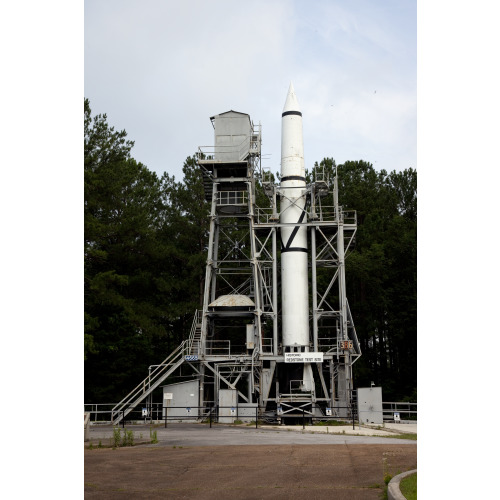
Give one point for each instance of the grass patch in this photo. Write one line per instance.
(116, 437)
(128, 438)
(332, 423)
(413, 437)
(408, 487)
(252, 422)
(153, 436)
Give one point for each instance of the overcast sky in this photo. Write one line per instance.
(161, 68)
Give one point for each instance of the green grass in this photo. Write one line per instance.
(413, 437)
(252, 422)
(332, 423)
(408, 487)
(153, 436)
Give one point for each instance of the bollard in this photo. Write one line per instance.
(256, 415)
(303, 419)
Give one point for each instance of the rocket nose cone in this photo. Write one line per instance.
(291, 103)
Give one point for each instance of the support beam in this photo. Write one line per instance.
(229, 384)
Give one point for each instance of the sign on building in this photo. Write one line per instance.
(303, 357)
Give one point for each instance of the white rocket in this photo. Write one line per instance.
(294, 273)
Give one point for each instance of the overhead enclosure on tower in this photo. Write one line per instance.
(233, 134)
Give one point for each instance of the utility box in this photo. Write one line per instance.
(177, 398)
(370, 405)
(228, 400)
(247, 412)
(250, 344)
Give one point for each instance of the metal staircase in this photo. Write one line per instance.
(194, 342)
(184, 352)
(150, 383)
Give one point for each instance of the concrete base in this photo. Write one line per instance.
(86, 426)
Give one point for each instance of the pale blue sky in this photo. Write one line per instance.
(160, 69)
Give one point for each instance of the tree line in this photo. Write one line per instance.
(145, 249)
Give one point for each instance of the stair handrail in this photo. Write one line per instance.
(196, 321)
(149, 380)
(354, 335)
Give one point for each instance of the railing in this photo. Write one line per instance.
(252, 413)
(218, 347)
(224, 153)
(266, 175)
(192, 334)
(328, 344)
(321, 176)
(232, 198)
(158, 412)
(326, 214)
(233, 152)
(151, 381)
(100, 412)
(404, 409)
(267, 345)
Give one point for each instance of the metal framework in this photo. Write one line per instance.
(235, 339)
(242, 261)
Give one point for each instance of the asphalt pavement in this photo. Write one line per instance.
(193, 434)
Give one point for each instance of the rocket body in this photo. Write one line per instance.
(294, 270)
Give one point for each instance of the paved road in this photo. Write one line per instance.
(220, 435)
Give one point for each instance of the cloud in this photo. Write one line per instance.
(160, 69)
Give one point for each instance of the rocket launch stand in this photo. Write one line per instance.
(236, 346)
(235, 350)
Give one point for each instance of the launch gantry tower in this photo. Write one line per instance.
(238, 342)
(235, 348)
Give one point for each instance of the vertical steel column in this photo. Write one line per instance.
(342, 296)
(215, 260)
(201, 396)
(332, 383)
(275, 294)
(206, 299)
(255, 268)
(313, 289)
(209, 268)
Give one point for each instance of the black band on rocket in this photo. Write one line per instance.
(291, 113)
(293, 178)
(288, 247)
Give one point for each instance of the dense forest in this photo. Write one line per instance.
(145, 255)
